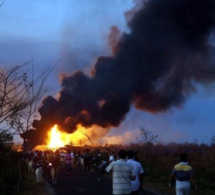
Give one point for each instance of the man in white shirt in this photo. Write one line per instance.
(138, 169)
(122, 174)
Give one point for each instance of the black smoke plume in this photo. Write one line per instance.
(155, 66)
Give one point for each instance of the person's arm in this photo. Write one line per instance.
(133, 177)
(171, 178)
(109, 170)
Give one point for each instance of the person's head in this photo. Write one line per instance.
(183, 157)
(130, 154)
(122, 154)
(87, 150)
(56, 152)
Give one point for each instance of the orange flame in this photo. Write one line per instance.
(57, 138)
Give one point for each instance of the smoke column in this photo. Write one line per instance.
(153, 67)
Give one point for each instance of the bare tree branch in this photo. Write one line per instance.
(98, 150)
(34, 92)
(21, 92)
(12, 94)
(147, 136)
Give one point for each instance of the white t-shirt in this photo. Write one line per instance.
(72, 155)
(138, 169)
(111, 158)
(121, 175)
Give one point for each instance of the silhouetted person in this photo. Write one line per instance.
(68, 161)
(86, 161)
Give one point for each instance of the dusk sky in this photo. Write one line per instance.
(75, 33)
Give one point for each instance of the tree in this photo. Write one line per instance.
(33, 87)
(212, 142)
(6, 139)
(147, 136)
(20, 94)
(12, 92)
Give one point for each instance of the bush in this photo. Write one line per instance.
(9, 171)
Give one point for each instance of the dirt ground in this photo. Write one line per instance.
(78, 184)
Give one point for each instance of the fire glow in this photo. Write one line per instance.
(57, 138)
(82, 136)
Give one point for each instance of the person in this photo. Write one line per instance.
(86, 161)
(136, 158)
(122, 174)
(39, 171)
(73, 158)
(79, 160)
(138, 182)
(112, 157)
(184, 174)
(68, 161)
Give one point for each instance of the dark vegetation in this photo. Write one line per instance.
(14, 176)
(157, 160)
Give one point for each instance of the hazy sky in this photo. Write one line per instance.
(76, 33)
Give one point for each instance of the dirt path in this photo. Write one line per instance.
(79, 184)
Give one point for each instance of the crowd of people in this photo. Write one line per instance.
(46, 158)
(124, 168)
